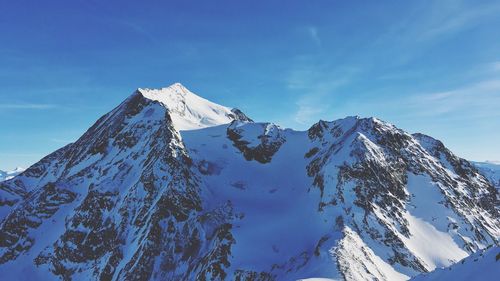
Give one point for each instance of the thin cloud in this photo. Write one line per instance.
(494, 66)
(310, 33)
(316, 99)
(134, 28)
(428, 25)
(64, 141)
(38, 106)
(477, 100)
(21, 155)
(447, 19)
(307, 110)
(314, 35)
(316, 85)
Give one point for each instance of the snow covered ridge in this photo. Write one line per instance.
(169, 186)
(7, 175)
(483, 265)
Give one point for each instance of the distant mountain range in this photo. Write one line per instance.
(171, 186)
(7, 175)
(491, 170)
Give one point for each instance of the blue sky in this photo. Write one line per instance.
(426, 66)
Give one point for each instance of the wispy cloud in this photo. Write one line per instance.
(136, 28)
(39, 106)
(313, 34)
(307, 111)
(63, 141)
(494, 66)
(317, 98)
(316, 83)
(429, 24)
(447, 17)
(309, 33)
(16, 155)
(477, 99)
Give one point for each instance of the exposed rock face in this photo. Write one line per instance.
(240, 116)
(141, 197)
(257, 142)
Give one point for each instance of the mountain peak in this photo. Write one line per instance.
(167, 94)
(190, 111)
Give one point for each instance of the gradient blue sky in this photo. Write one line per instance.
(426, 66)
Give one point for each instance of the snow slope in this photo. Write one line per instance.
(483, 265)
(169, 186)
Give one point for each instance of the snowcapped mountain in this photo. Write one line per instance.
(189, 111)
(170, 186)
(483, 265)
(491, 170)
(7, 175)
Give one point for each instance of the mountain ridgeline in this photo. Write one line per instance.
(170, 186)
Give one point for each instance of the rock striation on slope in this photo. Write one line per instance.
(170, 186)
